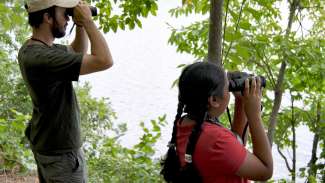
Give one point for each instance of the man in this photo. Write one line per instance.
(48, 70)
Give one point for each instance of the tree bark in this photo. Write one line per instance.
(313, 159)
(278, 90)
(215, 32)
(312, 163)
(293, 128)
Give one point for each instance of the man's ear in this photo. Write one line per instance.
(214, 101)
(47, 18)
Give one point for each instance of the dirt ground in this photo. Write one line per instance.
(10, 178)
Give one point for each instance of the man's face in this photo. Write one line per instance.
(60, 22)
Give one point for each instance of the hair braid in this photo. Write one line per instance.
(178, 116)
(189, 172)
(197, 82)
(171, 165)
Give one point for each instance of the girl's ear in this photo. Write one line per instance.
(214, 101)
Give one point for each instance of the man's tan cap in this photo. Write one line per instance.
(37, 5)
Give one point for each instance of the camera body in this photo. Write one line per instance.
(237, 80)
(92, 9)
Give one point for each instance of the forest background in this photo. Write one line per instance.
(291, 56)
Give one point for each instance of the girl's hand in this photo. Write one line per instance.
(252, 98)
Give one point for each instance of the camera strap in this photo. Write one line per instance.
(245, 128)
(246, 125)
(72, 29)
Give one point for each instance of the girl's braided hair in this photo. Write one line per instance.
(197, 82)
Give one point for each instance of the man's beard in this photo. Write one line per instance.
(56, 32)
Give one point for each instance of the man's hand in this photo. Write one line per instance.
(81, 14)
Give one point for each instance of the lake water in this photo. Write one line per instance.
(139, 83)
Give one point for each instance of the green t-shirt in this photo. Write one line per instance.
(48, 73)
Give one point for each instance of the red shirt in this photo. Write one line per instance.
(217, 155)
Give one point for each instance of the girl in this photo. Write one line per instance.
(201, 149)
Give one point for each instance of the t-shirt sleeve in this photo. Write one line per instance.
(228, 153)
(56, 64)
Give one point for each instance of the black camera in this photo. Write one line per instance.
(92, 9)
(237, 80)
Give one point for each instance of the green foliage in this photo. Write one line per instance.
(114, 163)
(13, 26)
(191, 39)
(191, 6)
(283, 136)
(129, 14)
(96, 114)
(14, 101)
(107, 159)
(13, 150)
(11, 36)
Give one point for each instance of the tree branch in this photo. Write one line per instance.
(312, 163)
(293, 173)
(224, 29)
(279, 85)
(237, 25)
(267, 69)
(311, 7)
(285, 159)
(300, 24)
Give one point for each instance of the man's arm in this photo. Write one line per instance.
(80, 43)
(100, 57)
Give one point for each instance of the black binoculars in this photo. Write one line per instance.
(92, 9)
(237, 80)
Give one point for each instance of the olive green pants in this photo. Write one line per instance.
(69, 167)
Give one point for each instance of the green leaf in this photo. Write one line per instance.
(233, 36)
(256, 14)
(138, 23)
(262, 38)
(3, 129)
(243, 51)
(175, 83)
(245, 25)
(181, 65)
(122, 25)
(131, 25)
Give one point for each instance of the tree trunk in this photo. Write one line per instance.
(278, 90)
(215, 32)
(312, 163)
(293, 128)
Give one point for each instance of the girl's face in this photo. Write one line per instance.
(226, 95)
(218, 105)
